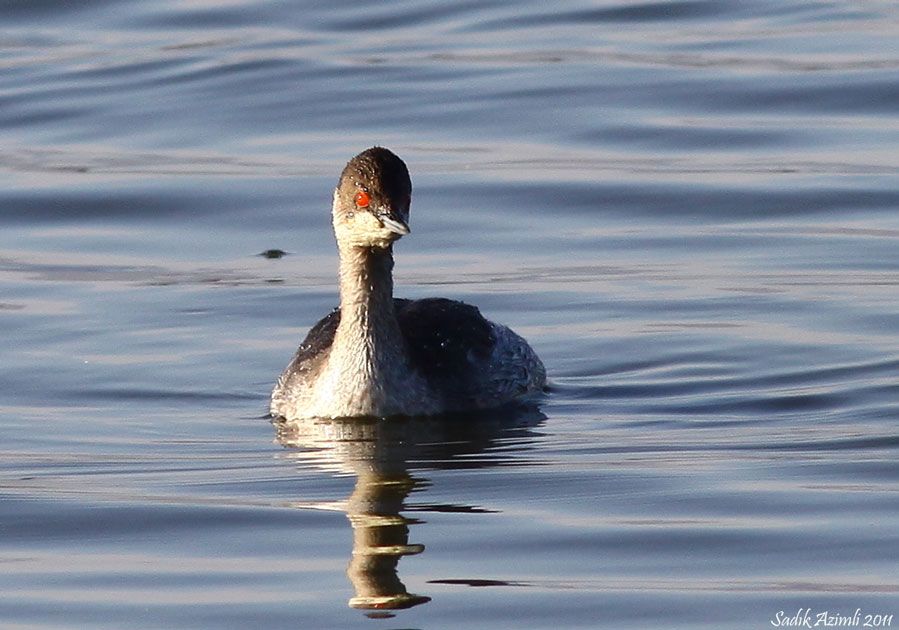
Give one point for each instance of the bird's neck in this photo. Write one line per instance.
(367, 371)
(367, 318)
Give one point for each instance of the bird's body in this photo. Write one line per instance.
(380, 356)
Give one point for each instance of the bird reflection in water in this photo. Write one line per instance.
(380, 452)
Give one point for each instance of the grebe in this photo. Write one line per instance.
(377, 355)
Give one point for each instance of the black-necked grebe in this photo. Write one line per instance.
(377, 355)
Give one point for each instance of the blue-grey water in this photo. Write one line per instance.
(690, 208)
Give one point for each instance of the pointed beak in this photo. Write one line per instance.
(394, 223)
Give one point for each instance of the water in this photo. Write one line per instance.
(688, 208)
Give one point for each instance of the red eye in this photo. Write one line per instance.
(363, 199)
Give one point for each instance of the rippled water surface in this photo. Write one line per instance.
(688, 207)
